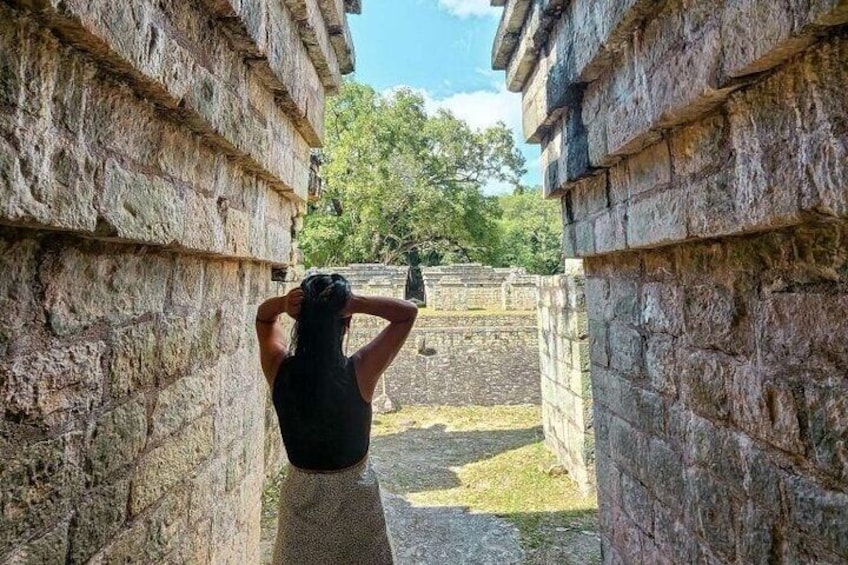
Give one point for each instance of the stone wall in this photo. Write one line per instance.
(455, 359)
(564, 363)
(154, 163)
(472, 286)
(700, 153)
(519, 291)
(373, 279)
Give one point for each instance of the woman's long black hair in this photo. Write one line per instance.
(318, 340)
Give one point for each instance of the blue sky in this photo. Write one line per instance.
(443, 49)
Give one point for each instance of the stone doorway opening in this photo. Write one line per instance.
(471, 456)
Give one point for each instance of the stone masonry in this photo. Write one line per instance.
(700, 151)
(458, 359)
(472, 286)
(154, 166)
(564, 364)
(373, 278)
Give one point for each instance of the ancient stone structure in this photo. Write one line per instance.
(472, 286)
(700, 150)
(373, 278)
(519, 291)
(154, 164)
(460, 359)
(564, 366)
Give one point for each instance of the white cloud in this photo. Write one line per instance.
(482, 109)
(479, 108)
(468, 8)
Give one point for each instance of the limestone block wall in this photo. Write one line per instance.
(700, 153)
(472, 286)
(564, 363)
(518, 292)
(154, 161)
(458, 359)
(373, 278)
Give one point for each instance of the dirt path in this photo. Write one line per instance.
(471, 486)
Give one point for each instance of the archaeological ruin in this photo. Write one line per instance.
(154, 168)
(691, 362)
(700, 152)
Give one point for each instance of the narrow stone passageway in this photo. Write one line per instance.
(473, 485)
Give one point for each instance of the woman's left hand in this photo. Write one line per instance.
(292, 302)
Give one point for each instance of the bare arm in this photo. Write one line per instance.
(272, 342)
(373, 359)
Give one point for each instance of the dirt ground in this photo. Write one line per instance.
(470, 485)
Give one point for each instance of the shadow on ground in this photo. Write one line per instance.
(439, 535)
(456, 491)
(420, 459)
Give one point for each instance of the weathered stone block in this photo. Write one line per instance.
(163, 467)
(657, 219)
(804, 330)
(662, 308)
(207, 486)
(180, 403)
(714, 318)
(175, 344)
(135, 359)
(610, 230)
(712, 512)
(98, 519)
(19, 260)
(56, 386)
(626, 349)
(141, 207)
(117, 439)
(83, 286)
(49, 548)
(826, 409)
(650, 168)
(704, 383)
(661, 364)
(819, 513)
(40, 480)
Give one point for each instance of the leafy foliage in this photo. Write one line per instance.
(531, 232)
(405, 187)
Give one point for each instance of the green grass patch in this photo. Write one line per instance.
(554, 518)
(458, 418)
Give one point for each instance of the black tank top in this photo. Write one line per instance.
(331, 433)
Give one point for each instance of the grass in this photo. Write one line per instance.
(458, 418)
(505, 473)
(516, 484)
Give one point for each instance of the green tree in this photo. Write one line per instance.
(405, 187)
(531, 232)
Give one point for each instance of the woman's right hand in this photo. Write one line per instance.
(292, 302)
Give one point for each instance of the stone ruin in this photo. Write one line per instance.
(154, 169)
(565, 376)
(472, 286)
(373, 278)
(700, 152)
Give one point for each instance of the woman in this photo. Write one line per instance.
(330, 509)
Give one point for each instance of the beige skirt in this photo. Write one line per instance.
(332, 518)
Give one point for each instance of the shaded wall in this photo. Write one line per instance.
(700, 151)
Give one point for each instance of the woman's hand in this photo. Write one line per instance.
(351, 307)
(292, 302)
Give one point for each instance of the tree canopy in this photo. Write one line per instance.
(405, 187)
